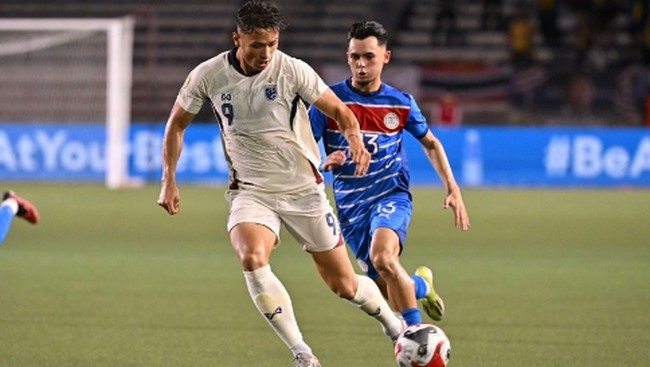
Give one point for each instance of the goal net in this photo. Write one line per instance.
(63, 71)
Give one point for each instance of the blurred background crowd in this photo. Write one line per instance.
(482, 62)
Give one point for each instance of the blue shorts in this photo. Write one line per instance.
(394, 212)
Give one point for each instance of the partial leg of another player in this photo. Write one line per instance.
(15, 206)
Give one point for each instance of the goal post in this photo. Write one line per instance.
(51, 33)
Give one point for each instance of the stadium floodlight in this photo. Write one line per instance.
(84, 64)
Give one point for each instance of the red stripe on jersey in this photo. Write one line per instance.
(384, 119)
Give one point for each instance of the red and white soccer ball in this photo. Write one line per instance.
(422, 345)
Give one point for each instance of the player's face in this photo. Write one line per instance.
(367, 59)
(255, 50)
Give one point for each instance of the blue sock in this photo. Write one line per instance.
(6, 217)
(421, 286)
(412, 316)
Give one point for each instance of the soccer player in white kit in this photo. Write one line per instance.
(256, 92)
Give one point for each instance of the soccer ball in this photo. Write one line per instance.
(422, 345)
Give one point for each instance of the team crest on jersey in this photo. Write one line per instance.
(271, 92)
(391, 120)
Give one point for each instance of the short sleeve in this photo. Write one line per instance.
(416, 124)
(310, 85)
(192, 93)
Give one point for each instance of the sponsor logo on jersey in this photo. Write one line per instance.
(271, 92)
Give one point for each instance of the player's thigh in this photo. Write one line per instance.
(311, 221)
(393, 213)
(385, 246)
(253, 216)
(358, 238)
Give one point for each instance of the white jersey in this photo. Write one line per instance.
(264, 126)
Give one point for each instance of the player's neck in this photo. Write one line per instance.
(243, 67)
(370, 87)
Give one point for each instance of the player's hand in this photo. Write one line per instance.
(170, 198)
(455, 200)
(359, 155)
(334, 161)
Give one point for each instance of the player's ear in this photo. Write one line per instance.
(387, 56)
(235, 38)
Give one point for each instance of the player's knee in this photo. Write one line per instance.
(387, 265)
(346, 293)
(344, 288)
(251, 260)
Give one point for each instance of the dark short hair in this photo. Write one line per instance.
(368, 28)
(259, 14)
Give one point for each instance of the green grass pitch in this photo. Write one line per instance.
(544, 278)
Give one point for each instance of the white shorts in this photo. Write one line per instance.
(307, 215)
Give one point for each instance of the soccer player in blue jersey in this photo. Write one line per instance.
(375, 209)
(12, 206)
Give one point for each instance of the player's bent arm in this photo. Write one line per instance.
(331, 105)
(178, 121)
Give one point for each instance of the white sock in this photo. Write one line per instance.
(12, 204)
(369, 299)
(273, 302)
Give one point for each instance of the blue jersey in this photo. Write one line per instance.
(383, 116)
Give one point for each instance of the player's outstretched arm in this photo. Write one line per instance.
(179, 120)
(436, 153)
(332, 106)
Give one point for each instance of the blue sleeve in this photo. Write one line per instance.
(318, 122)
(416, 124)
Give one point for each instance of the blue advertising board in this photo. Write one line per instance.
(480, 156)
(202, 159)
(544, 157)
(52, 152)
